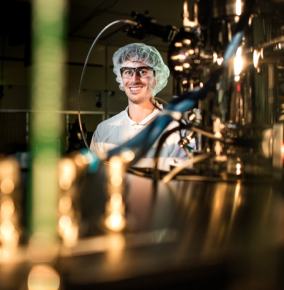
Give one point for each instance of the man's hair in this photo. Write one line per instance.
(140, 52)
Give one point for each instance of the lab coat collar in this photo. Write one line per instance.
(147, 119)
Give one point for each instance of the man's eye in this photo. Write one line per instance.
(143, 72)
(127, 72)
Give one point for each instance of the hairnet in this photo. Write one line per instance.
(140, 52)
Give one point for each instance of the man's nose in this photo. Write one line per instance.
(135, 75)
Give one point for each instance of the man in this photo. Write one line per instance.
(141, 73)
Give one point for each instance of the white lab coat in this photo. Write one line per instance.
(120, 128)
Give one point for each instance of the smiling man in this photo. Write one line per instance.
(141, 73)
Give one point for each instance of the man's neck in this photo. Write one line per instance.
(138, 112)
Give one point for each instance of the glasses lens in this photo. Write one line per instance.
(142, 72)
(127, 72)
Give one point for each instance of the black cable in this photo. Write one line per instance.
(153, 102)
(114, 32)
(160, 100)
(162, 140)
(84, 68)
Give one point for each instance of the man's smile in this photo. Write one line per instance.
(135, 88)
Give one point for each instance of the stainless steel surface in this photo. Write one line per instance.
(226, 230)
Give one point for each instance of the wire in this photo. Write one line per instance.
(186, 163)
(160, 100)
(84, 68)
(153, 101)
(207, 134)
(162, 140)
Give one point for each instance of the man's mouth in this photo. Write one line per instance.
(134, 89)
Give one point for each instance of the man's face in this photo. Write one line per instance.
(137, 89)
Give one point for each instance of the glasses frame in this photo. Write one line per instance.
(135, 70)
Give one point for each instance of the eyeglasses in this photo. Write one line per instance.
(141, 71)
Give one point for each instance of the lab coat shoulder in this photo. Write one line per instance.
(106, 128)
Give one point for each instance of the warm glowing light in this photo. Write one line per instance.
(187, 41)
(4, 255)
(65, 182)
(184, 82)
(256, 56)
(115, 221)
(6, 168)
(179, 57)
(178, 44)
(238, 168)
(237, 194)
(81, 160)
(115, 244)
(64, 221)
(7, 208)
(190, 52)
(43, 277)
(201, 85)
(65, 204)
(237, 78)
(68, 230)
(218, 134)
(115, 163)
(7, 228)
(7, 185)
(116, 180)
(9, 235)
(186, 65)
(127, 156)
(70, 235)
(11, 240)
(116, 201)
(238, 62)
(178, 68)
(215, 56)
(217, 126)
(282, 152)
(219, 60)
(192, 117)
(238, 7)
(67, 173)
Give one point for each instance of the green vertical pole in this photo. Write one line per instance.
(47, 94)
